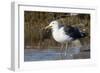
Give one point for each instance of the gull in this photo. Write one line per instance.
(62, 34)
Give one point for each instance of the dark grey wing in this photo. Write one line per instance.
(74, 32)
(68, 30)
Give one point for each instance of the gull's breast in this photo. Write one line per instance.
(60, 36)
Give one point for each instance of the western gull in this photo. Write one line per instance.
(63, 34)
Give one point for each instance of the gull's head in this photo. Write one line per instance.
(53, 24)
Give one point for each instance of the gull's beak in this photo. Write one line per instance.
(48, 27)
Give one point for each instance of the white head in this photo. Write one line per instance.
(53, 24)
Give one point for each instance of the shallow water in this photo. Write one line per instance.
(51, 54)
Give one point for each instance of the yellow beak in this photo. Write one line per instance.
(48, 27)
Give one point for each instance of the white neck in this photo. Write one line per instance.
(55, 28)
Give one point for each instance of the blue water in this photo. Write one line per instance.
(49, 54)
